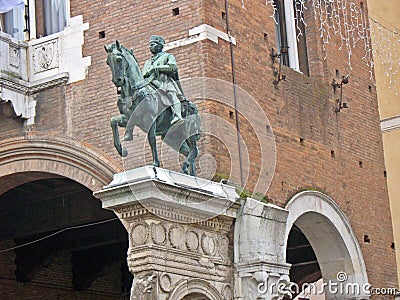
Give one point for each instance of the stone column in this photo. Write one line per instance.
(261, 269)
(180, 233)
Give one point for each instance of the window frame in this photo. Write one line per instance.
(32, 20)
(288, 34)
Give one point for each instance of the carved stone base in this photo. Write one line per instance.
(191, 238)
(180, 233)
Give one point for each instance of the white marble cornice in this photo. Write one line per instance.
(390, 124)
(201, 33)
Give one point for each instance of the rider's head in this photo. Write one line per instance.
(156, 44)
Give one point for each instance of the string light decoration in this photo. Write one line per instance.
(385, 45)
(349, 21)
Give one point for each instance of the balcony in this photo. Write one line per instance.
(27, 68)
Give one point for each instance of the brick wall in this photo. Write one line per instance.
(307, 129)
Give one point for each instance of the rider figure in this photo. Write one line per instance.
(162, 70)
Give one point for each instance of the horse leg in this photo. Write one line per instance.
(128, 136)
(192, 163)
(151, 136)
(185, 150)
(194, 151)
(115, 122)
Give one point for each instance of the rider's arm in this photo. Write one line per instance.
(169, 66)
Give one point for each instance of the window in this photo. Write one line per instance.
(51, 16)
(13, 18)
(291, 35)
(33, 18)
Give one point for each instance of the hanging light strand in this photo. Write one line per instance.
(348, 23)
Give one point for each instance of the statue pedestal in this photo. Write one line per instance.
(180, 232)
(191, 238)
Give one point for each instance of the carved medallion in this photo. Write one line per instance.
(177, 237)
(158, 234)
(165, 282)
(208, 244)
(223, 247)
(139, 234)
(192, 240)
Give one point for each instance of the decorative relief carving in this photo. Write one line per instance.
(208, 244)
(219, 223)
(192, 240)
(226, 292)
(224, 272)
(139, 234)
(205, 262)
(135, 209)
(14, 57)
(158, 234)
(176, 237)
(165, 282)
(45, 56)
(223, 247)
(143, 284)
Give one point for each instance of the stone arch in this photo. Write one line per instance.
(24, 159)
(329, 232)
(195, 286)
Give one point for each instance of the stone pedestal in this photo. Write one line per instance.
(191, 238)
(180, 233)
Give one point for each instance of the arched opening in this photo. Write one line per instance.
(324, 234)
(58, 242)
(195, 289)
(39, 157)
(304, 269)
(195, 296)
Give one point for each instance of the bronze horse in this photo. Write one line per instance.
(139, 105)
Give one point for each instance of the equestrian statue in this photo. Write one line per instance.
(153, 100)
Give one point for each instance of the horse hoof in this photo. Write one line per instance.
(124, 152)
(127, 138)
(185, 169)
(155, 164)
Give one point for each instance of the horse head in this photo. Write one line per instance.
(123, 64)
